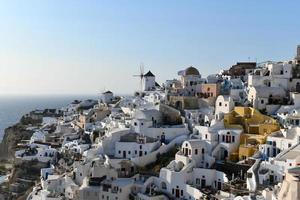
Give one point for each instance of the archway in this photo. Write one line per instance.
(163, 186)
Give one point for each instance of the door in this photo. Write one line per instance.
(225, 154)
(219, 185)
(124, 154)
(271, 179)
(186, 151)
(163, 138)
(203, 183)
(141, 153)
(177, 193)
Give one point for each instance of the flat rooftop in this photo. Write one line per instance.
(134, 137)
(290, 154)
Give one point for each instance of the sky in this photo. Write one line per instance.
(88, 46)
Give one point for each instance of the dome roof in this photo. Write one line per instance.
(191, 71)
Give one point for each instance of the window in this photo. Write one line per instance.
(197, 181)
(262, 101)
(220, 104)
(233, 138)
(196, 151)
(145, 152)
(129, 152)
(289, 145)
(119, 152)
(202, 150)
(141, 147)
(135, 152)
(205, 136)
(135, 124)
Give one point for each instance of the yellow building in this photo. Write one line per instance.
(256, 128)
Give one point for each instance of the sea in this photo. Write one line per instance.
(13, 107)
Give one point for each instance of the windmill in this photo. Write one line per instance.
(141, 75)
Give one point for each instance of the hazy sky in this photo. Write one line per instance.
(84, 47)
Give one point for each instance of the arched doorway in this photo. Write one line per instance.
(223, 154)
(163, 186)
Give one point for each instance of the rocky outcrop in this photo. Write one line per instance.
(23, 173)
(13, 135)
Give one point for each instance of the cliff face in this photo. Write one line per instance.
(14, 135)
(16, 189)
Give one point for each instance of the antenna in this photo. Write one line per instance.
(141, 75)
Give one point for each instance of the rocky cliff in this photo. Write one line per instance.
(29, 170)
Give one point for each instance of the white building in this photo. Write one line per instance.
(190, 81)
(197, 150)
(134, 145)
(224, 104)
(150, 123)
(41, 153)
(273, 171)
(280, 141)
(107, 97)
(149, 81)
(272, 74)
(182, 181)
(264, 97)
(237, 90)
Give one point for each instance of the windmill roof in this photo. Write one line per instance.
(107, 92)
(149, 73)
